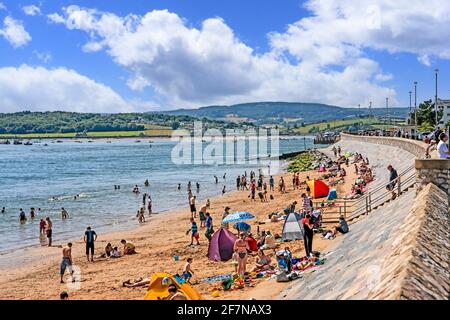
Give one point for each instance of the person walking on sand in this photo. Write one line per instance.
(241, 247)
(49, 230)
(192, 206)
(272, 183)
(89, 238)
(209, 227)
(66, 262)
(194, 232)
(64, 214)
(252, 190)
(393, 177)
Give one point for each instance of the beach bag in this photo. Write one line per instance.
(283, 277)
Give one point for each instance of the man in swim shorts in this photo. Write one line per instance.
(66, 262)
(192, 206)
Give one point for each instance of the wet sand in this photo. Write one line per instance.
(33, 273)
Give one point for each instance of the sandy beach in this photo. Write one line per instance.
(33, 273)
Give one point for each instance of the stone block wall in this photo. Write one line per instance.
(436, 171)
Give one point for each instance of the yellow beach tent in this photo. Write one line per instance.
(159, 285)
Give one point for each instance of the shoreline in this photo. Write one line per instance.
(35, 270)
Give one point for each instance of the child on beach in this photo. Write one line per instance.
(194, 232)
(187, 271)
(202, 216)
(128, 247)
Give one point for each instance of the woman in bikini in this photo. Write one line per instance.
(240, 247)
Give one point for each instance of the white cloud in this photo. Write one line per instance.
(320, 58)
(340, 30)
(44, 57)
(31, 10)
(2, 6)
(55, 18)
(39, 89)
(14, 32)
(384, 77)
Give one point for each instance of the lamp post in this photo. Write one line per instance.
(436, 98)
(410, 105)
(370, 109)
(415, 108)
(387, 112)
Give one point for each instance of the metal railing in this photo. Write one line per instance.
(372, 199)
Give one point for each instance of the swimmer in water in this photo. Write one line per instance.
(22, 216)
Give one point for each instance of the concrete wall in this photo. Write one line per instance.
(417, 148)
(436, 171)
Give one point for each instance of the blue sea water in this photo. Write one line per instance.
(48, 177)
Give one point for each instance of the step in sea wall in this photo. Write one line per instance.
(418, 267)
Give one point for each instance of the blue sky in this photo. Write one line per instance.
(272, 50)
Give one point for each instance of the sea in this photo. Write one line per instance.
(49, 174)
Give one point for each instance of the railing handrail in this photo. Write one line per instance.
(365, 204)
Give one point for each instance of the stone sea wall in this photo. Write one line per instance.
(418, 266)
(436, 171)
(417, 148)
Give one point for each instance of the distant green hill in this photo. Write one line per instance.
(282, 112)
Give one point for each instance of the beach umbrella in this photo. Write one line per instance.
(347, 154)
(242, 226)
(237, 217)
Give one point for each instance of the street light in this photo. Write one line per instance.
(436, 97)
(410, 105)
(415, 108)
(387, 112)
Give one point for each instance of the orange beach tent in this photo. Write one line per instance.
(319, 189)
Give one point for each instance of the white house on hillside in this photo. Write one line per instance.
(445, 104)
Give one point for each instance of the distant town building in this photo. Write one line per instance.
(445, 105)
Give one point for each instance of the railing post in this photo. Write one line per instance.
(345, 209)
(367, 205)
(370, 201)
(399, 186)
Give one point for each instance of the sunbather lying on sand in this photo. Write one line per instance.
(140, 282)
